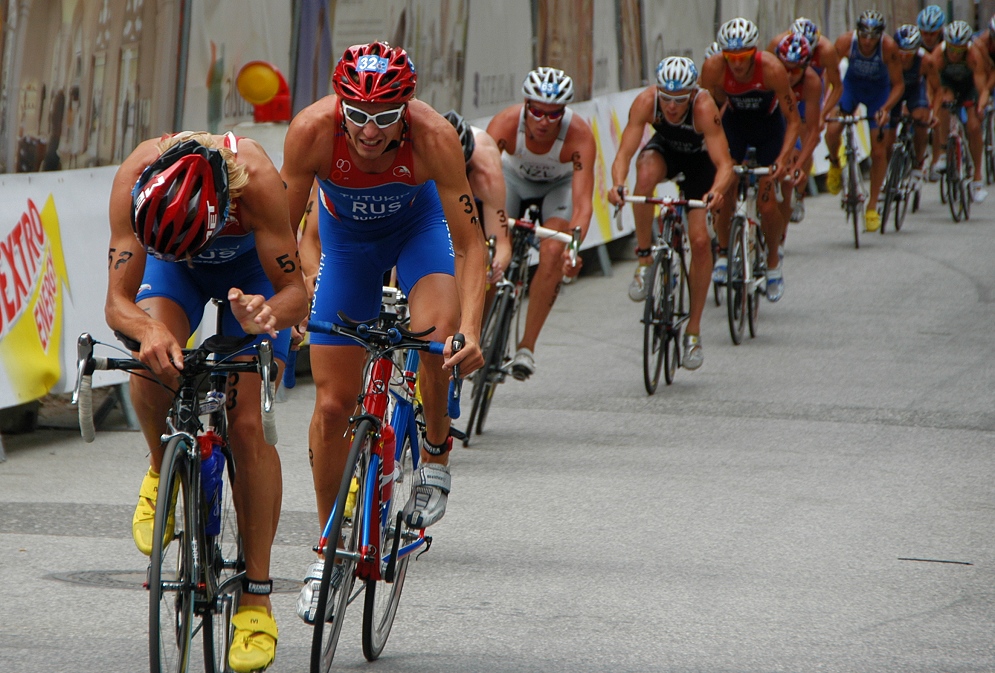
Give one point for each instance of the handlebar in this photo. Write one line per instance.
(665, 201)
(380, 341)
(847, 119)
(195, 363)
(572, 239)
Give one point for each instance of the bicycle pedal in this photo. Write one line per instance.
(456, 433)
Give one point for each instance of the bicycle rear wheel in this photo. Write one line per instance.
(655, 319)
(736, 290)
(486, 379)
(339, 575)
(171, 577)
(382, 596)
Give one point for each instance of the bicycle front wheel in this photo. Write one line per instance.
(171, 579)
(892, 184)
(954, 183)
(758, 258)
(736, 290)
(854, 203)
(679, 303)
(989, 148)
(339, 575)
(655, 319)
(384, 595)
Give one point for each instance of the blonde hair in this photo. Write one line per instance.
(238, 176)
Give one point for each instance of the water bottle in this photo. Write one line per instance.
(386, 447)
(212, 467)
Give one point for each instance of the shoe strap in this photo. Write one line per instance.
(255, 620)
(436, 476)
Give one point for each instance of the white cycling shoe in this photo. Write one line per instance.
(429, 496)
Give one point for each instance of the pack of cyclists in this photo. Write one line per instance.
(195, 216)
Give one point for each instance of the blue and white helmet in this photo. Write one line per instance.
(907, 37)
(676, 73)
(714, 49)
(737, 34)
(957, 33)
(871, 20)
(807, 28)
(548, 85)
(931, 19)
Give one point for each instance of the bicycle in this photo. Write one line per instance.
(989, 146)
(853, 194)
(505, 311)
(899, 185)
(666, 308)
(200, 576)
(380, 468)
(747, 270)
(960, 168)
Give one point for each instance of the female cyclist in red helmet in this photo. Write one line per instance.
(392, 191)
(193, 217)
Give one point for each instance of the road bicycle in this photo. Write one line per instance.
(853, 195)
(899, 185)
(959, 173)
(988, 130)
(195, 582)
(504, 316)
(370, 546)
(667, 306)
(746, 281)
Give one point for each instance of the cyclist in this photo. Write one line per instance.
(195, 216)
(548, 159)
(985, 42)
(930, 22)
(958, 72)
(761, 113)
(826, 64)
(390, 180)
(483, 171)
(874, 78)
(688, 140)
(909, 40)
(793, 52)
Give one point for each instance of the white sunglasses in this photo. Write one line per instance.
(381, 119)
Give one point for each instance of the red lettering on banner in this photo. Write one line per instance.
(45, 306)
(20, 256)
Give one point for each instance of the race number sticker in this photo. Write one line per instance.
(371, 63)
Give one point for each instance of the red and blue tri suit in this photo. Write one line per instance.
(369, 223)
(753, 118)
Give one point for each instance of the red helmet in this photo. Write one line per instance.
(375, 73)
(794, 50)
(181, 201)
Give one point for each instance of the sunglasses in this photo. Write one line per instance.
(739, 56)
(869, 34)
(381, 119)
(538, 114)
(667, 98)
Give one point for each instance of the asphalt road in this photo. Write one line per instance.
(817, 498)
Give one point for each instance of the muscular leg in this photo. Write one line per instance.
(258, 488)
(338, 379)
(700, 273)
(545, 284)
(879, 165)
(975, 141)
(650, 169)
(921, 135)
(771, 219)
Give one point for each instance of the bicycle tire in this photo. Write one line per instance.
(487, 377)
(736, 291)
(326, 633)
(853, 198)
(716, 287)
(906, 191)
(226, 563)
(171, 577)
(953, 179)
(382, 598)
(654, 322)
(892, 180)
(681, 303)
(967, 175)
(989, 147)
(758, 258)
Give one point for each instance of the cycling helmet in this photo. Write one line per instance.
(871, 20)
(180, 202)
(548, 85)
(676, 73)
(465, 133)
(375, 73)
(807, 28)
(991, 24)
(737, 34)
(793, 50)
(712, 50)
(957, 34)
(931, 19)
(907, 37)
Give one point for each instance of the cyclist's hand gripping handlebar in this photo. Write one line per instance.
(456, 385)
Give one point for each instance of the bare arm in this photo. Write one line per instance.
(487, 183)
(830, 60)
(708, 121)
(776, 79)
(583, 151)
(977, 61)
(640, 114)
(889, 51)
(503, 128)
(811, 93)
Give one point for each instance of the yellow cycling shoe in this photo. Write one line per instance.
(834, 179)
(144, 519)
(253, 647)
(872, 220)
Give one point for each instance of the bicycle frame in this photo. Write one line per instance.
(745, 204)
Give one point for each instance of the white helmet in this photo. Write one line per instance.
(957, 33)
(676, 73)
(712, 50)
(548, 85)
(738, 34)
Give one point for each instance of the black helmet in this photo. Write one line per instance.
(464, 131)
